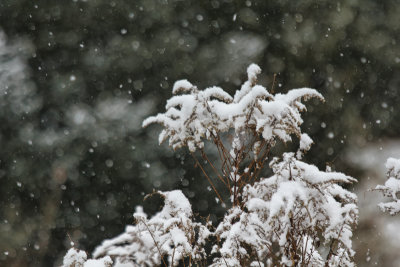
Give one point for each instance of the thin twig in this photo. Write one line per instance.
(273, 84)
(258, 260)
(208, 178)
(173, 255)
(214, 169)
(155, 242)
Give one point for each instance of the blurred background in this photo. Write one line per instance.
(78, 77)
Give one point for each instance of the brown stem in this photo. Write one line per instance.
(208, 178)
(155, 242)
(214, 169)
(173, 255)
(330, 253)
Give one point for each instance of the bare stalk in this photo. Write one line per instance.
(155, 242)
(208, 178)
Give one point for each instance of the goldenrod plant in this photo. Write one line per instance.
(298, 216)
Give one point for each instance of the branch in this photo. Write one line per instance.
(208, 178)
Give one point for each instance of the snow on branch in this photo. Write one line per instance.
(78, 258)
(195, 115)
(169, 236)
(391, 188)
(287, 216)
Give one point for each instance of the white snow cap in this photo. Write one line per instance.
(78, 258)
(393, 166)
(252, 71)
(305, 144)
(181, 86)
(74, 257)
(391, 188)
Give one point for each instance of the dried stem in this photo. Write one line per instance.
(155, 242)
(214, 169)
(208, 178)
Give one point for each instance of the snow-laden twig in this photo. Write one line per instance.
(391, 188)
(197, 115)
(170, 234)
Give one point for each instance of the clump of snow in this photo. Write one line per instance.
(74, 258)
(252, 71)
(78, 258)
(391, 188)
(305, 144)
(103, 262)
(393, 167)
(182, 86)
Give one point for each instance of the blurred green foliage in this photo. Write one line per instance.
(78, 77)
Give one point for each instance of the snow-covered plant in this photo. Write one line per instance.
(256, 117)
(391, 188)
(299, 216)
(169, 236)
(284, 219)
(78, 258)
